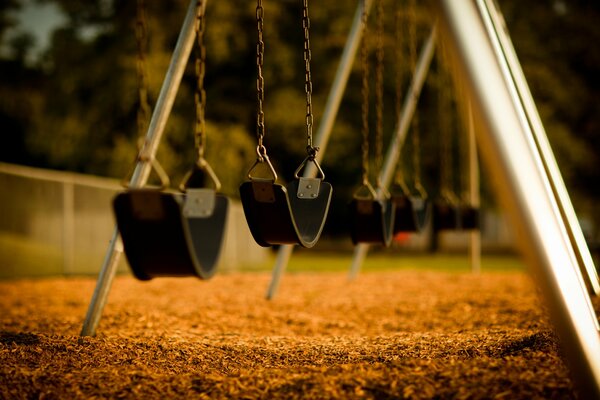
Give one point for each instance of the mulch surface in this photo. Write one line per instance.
(404, 334)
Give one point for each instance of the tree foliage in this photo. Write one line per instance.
(75, 108)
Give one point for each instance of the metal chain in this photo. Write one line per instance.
(400, 44)
(463, 133)
(143, 112)
(260, 83)
(447, 160)
(365, 97)
(447, 148)
(141, 35)
(310, 149)
(379, 91)
(200, 69)
(412, 53)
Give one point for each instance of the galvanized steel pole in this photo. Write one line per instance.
(474, 201)
(507, 147)
(582, 252)
(538, 134)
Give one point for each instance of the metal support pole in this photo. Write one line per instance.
(475, 234)
(393, 154)
(491, 20)
(322, 137)
(161, 113)
(582, 252)
(506, 144)
(68, 230)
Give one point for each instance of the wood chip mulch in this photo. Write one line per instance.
(404, 334)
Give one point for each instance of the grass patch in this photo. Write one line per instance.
(21, 256)
(304, 261)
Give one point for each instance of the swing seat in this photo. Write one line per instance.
(372, 221)
(412, 213)
(286, 215)
(469, 217)
(169, 234)
(446, 216)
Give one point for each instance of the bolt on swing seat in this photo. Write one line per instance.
(372, 220)
(291, 214)
(172, 234)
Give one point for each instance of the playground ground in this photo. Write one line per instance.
(389, 334)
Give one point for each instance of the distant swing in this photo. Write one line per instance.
(296, 213)
(413, 210)
(372, 213)
(446, 214)
(169, 233)
(450, 213)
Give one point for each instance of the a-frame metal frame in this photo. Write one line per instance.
(504, 48)
(509, 141)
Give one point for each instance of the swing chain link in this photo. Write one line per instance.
(201, 165)
(379, 92)
(143, 111)
(416, 139)
(261, 150)
(364, 53)
(141, 35)
(400, 44)
(399, 47)
(310, 149)
(447, 148)
(200, 70)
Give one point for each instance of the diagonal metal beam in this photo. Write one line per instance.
(523, 186)
(582, 252)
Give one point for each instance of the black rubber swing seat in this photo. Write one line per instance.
(469, 217)
(449, 216)
(446, 216)
(171, 234)
(372, 221)
(412, 213)
(286, 215)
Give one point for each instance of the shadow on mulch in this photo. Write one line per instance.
(18, 338)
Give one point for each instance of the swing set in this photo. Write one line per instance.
(372, 213)
(180, 233)
(450, 211)
(413, 208)
(167, 233)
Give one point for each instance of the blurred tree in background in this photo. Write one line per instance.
(74, 108)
